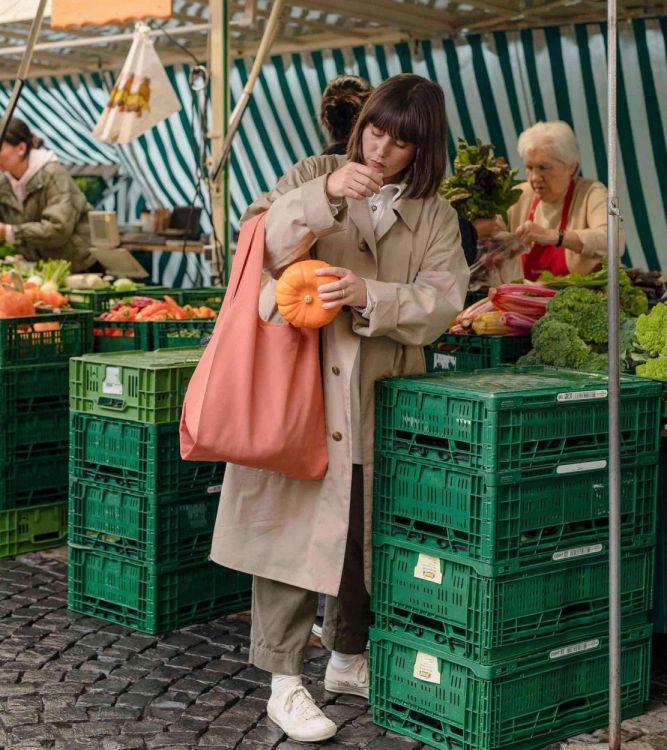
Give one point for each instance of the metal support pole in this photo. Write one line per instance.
(270, 32)
(613, 303)
(219, 87)
(24, 67)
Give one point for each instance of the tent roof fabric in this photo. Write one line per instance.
(495, 86)
(305, 25)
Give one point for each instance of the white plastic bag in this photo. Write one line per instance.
(141, 97)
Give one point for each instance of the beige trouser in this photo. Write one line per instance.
(283, 615)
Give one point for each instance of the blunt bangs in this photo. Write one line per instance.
(411, 109)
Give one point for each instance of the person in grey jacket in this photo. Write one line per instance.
(42, 211)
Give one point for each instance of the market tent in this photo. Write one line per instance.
(496, 84)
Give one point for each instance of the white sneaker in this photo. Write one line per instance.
(295, 712)
(352, 681)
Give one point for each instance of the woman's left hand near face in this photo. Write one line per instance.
(531, 233)
(350, 289)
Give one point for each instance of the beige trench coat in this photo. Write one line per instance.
(295, 531)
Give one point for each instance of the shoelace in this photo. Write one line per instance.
(300, 702)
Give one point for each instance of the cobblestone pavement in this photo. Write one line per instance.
(71, 682)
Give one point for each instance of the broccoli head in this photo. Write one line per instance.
(652, 330)
(655, 368)
(558, 343)
(584, 310)
(530, 358)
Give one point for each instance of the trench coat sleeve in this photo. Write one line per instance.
(416, 314)
(299, 212)
(64, 205)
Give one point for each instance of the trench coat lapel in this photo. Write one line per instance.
(359, 214)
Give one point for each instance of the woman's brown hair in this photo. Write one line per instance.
(411, 109)
(18, 132)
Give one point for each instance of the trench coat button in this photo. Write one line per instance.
(335, 370)
(336, 436)
(363, 246)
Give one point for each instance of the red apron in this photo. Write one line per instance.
(547, 257)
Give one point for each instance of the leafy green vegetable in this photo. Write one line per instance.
(655, 368)
(574, 332)
(6, 249)
(652, 331)
(54, 270)
(585, 310)
(482, 185)
(633, 300)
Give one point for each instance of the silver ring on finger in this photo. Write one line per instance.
(342, 293)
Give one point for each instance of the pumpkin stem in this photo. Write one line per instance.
(308, 299)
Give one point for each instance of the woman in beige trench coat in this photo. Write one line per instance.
(394, 245)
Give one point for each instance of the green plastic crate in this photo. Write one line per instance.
(466, 353)
(36, 475)
(140, 457)
(102, 300)
(503, 525)
(523, 704)
(120, 336)
(21, 344)
(143, 598)
(209, 296)
(32, 388)
(439, 598)
(146, 387)
(660, 597)
(21, 434)
(524, 420)
(32, 529)
(164, 530)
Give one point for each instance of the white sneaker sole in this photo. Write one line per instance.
(325, 734)
(339, 689)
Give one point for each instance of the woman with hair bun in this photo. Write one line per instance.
(342, 100)
(43, 212)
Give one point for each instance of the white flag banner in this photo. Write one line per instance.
(141, 97)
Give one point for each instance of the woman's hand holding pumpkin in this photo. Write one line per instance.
(353, 180)
(349, 290)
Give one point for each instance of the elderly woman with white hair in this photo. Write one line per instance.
(560, 216)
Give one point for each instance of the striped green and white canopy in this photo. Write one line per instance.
(495, 85)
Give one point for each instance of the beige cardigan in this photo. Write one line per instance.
(588, 218)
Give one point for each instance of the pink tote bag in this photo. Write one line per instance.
(255, 398)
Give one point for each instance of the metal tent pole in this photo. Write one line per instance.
(24, 67)
(270, 30)
(614, 394)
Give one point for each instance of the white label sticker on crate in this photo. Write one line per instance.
(428, 568)
(582, 395)
(214, 489)
(426, 668)
(581, 466)
(567, 554)
(112, 385)
(444, 361)
(576, 648)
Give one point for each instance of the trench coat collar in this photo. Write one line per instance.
(409, 210)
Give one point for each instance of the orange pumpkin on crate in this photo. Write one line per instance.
(297, 295)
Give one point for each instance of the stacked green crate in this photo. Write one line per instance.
(140, 518)
(660, 599)
(34, 417)
(466, 353)
(490, 569)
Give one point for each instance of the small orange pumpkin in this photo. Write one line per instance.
(297, 295)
